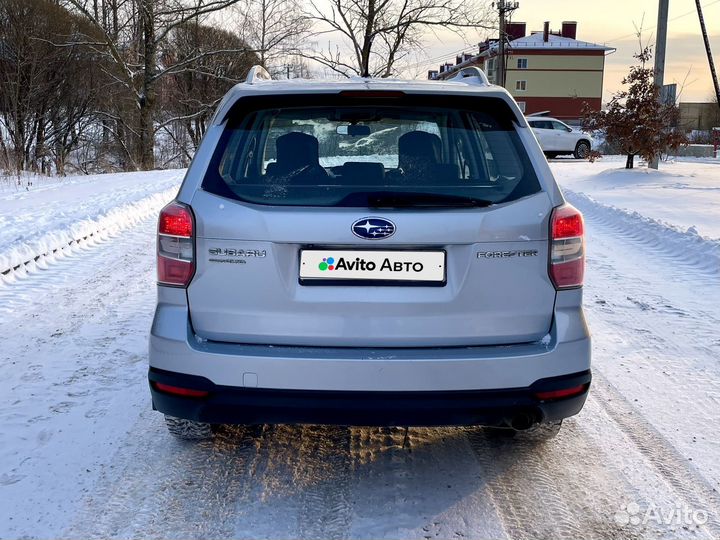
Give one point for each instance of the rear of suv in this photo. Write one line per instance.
(369, 252)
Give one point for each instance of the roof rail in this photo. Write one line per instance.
(256, 74)
(473, 72)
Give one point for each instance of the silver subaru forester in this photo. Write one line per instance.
(369, 252)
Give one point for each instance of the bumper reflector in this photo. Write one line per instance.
(176, 390)
(564, 393)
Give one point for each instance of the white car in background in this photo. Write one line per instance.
(556, 137)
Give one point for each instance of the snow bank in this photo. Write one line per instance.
(684, 244)
(58, 243)
(39, 226)
(684, 193)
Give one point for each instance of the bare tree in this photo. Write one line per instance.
(378, 34)
(275, 29)
(188, 97)
(47, 91)
(131, 38)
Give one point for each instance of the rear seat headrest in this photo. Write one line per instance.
(363, 172)
(418, 147)
(296, 150)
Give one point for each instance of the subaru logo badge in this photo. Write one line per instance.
(373, 228)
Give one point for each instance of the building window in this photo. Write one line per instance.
(521, 86)
(521, 104)
(522, 63)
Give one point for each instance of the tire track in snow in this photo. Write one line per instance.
(573, 486)
(683, 477)
(656, 335)
(324, 480)
(652, 339)
(531, 503)
(420, 483)
(685, 248)
(380, 468)
(173, 489)
(74, 358)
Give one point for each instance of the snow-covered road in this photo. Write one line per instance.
(83, 456)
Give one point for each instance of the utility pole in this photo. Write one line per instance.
(659, 75)
(504, 7)
(501, 46)
(708, 51)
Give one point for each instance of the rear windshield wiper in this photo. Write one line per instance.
(412, 199)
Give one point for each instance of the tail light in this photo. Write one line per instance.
(567, 248)
(175, 246)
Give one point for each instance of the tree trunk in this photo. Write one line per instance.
(39, 161)
(123, 160)
(5, 156)
(59, 159)
(630, 161)
(146, 100)
(192, 133)
(105, 132)
(367, 40)
(147, 140)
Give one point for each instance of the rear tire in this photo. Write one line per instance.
(582, 150)
(188, 430)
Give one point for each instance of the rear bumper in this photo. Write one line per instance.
(386, 386)
(175, 348)
(232, 405)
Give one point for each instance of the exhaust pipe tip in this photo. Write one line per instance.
(523, 421)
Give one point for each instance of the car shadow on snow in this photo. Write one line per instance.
(287, 481)
(337, 482)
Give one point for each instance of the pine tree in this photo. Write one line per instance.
(635, 122)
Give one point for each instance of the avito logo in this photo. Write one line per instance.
(328, 263)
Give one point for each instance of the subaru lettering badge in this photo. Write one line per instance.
(373, 228)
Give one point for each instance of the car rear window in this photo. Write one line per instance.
(340, 151)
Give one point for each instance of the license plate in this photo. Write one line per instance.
(318, 266)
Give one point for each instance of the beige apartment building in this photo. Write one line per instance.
(546, 71)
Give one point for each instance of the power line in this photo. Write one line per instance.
(443, 56)
(634, 34)
(449, 54)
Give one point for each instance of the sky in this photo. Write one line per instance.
(611, 22)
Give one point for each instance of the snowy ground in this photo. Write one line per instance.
(56, 215)
(683, 193)
(83, 456)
